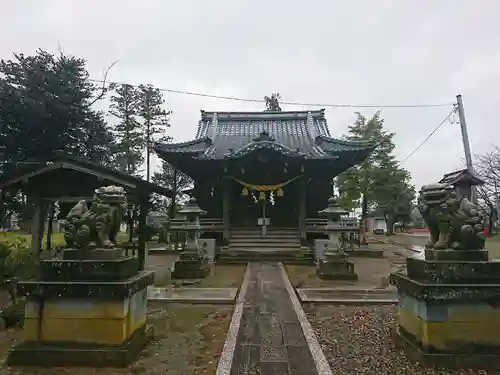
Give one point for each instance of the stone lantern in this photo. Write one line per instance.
(335, 264)
(192, 263)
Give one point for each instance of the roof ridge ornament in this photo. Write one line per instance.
(215, 125)
(264, 137)
(310, 126)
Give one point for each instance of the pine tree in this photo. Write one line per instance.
(46, 106)
(130, 139)
(155, 120)
(377, 182)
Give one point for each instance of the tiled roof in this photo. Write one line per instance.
(232, 134)
(459, 176)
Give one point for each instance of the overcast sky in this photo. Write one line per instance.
(317, 51)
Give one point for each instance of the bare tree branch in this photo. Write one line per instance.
(487, 167)
(104, 89)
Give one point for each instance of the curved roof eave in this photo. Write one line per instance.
(270, 145)
(193, 146)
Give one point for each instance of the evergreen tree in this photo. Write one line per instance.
(128, 132)
(155, 120)
(377, 182)
(46, 106)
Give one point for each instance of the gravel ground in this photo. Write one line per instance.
(357, 341)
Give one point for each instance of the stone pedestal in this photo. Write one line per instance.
(335, 266)
(449, 309)
(191, 265)
(84, 312)
(320, 247)
(208, 247)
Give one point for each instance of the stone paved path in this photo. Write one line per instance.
(270, 339)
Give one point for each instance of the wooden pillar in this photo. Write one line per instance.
(50, 225)
(38, 225)
(3, 213)
(225, 207)
(173, 202)
(302, 207)
(143, 213)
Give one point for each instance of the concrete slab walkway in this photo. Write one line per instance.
(271, 338)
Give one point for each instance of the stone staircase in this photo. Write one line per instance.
(278, 245)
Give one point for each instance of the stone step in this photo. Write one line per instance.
(249, 256)
(267, 235)
(264, 249)
(260, 238)
(269, 231)
(263, 241)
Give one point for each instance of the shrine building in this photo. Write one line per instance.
(263, 168)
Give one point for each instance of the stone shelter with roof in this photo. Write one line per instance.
(68, 179)
(463, 181)
(263, 168)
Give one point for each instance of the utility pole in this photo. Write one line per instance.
(497, 201)
(465, 140)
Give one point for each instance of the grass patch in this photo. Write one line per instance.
(188, 341)
(12, 237)
(57, 239)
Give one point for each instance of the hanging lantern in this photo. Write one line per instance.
(242, 171)
(262, 196)
(302, 168)
(279, 193)
(244, 192)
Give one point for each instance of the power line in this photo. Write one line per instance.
(454, 110)
(249, 100)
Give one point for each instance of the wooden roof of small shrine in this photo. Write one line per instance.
(461, 177)
(294, 134)
(76, 176)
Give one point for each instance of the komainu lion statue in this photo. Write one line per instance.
(97, 227)
(453, 222)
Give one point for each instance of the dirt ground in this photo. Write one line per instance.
(372, 272)
(188, 341)
(222, 276)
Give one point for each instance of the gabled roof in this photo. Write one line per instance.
(303, 134)
(462, 176)
(69, 162)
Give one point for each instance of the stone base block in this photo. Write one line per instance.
(48, 354)
(365, 252)
(94, 254)
(85, 320)
(457, 255)
(449, 321)
(340, 269)
(108, 265)
(191, 269)
(478, 361)
(453, 272)
(450, 326)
